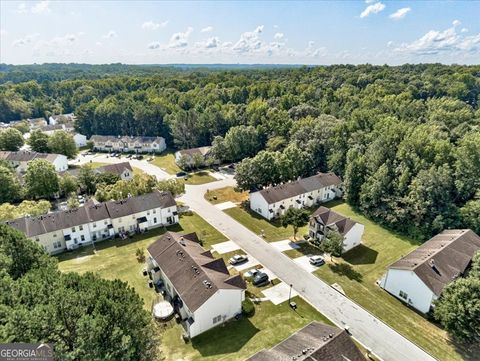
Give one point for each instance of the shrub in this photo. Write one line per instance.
(140, 254)
(248, 308)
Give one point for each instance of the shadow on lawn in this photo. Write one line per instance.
(344, 269)
(228, 338)
(361, 255)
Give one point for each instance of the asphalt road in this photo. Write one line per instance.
(385, 342)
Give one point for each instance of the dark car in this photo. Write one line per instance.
(260, 279)
(139, 157)
(181, 174)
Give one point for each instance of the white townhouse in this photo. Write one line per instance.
(36, 123)
(198, 285)
(124, 170)
(110, 143)
(305, 192)
(419, 278)
(66, 230)
(80, 140)
(324, 219)
(19, 160)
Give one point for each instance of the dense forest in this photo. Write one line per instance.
(406, 140)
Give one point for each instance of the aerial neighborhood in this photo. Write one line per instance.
(240, 181)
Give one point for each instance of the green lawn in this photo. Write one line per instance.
(361, 267)
(272, 231)
(199, 178)
(225, 194)
(97, 164)
(166, 161)
(116, 258)
(238, 340)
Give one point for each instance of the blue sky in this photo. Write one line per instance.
(283, 32)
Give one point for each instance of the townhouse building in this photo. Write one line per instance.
(419, 278)
(19, 160)
(272, 202)
(70, 229)
(324, 220)
(198, 285)
(110, 143)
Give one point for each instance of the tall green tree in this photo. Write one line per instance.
(62, 142)
(295, 217)
(10, 189)
(38, 141)
(11, 139)
(41, 179)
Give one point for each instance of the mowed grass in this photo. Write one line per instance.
(166, 161)
(197, 178)
(226, 194)
(237, 340)
(116, 258)
(362, 266)
(96, 164)
(270, 231)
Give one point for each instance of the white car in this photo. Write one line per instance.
(316, 260)
(238, 258)
(250, 274)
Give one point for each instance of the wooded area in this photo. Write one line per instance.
(406, 140)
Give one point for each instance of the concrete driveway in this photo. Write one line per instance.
(384, 341)
(285, 245)
(225, 247)
(279, 293)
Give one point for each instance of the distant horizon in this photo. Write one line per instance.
(234, 32)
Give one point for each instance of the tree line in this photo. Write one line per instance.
(404, 139)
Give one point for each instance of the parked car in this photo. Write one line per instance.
(251, 274)
(260, 279)
(231, 166)
(139, 157)
(118, 155)
(316, 260)
(237, 259)
(130, 156)
(181, 174)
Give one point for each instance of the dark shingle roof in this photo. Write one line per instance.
(140, 203)
(292, 189)
(125, 139)
(441, 259)
(27, 156)
(327, 217)
(193, 271)
(314, 342)
(34, 226)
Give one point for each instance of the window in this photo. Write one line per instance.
(57, 244)
(73, 229)
(404, 295)
(94, 225)
(82, 237)
(105, 222)
(217, 319)
(148, 213)
(169, 210)
(155, 220)
(80, 228)
(154, 211)
(120, 220)
(54, 235)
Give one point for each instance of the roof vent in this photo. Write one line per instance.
(207, 284)
(330, 335)
(182, 241)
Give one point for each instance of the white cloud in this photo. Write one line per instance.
(370, 1)
(150, 25)
(435, 42)
(456, 22)
(464, 30)
(41, 7)
(400, 13)
(3, 32)
(390, 43)
(154, 45)
(207, 29)
(110, 34)
(372, 9)
(98, 43)
(278, 36)
(180, 40)
(249, 41)
(212, 43)
(27, 39)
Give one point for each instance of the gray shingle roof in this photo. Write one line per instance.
(193, 271)
(27, 156)
(441, 259)
(190, 152)
(314, 342)
(327, 217)
(303, 185)
(116, 168)
(34, 226)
